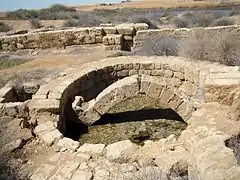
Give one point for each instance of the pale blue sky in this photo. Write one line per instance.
(6, 5)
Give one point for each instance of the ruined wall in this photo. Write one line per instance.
(112, 37)
(178, 34)
(120, 37)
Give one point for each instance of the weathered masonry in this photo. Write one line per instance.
(121, 37)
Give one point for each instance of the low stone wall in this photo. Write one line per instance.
(178, 34)
(120, 37)
(117, 37)
(193, 79)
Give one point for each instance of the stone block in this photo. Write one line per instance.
(44, 105)
(44, 128)
(140, 26)
(109, 40)
(121, 150)
(82, 175)
(68, 144)
(185, 110)
(97, 31)
(166, 96)
(51, 137)
(16, 109)
(128, 38)
(92, 149)
(43, 172)
(155, 89)
(125, 29)
(110, 30)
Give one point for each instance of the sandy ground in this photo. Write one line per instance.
(48, 63)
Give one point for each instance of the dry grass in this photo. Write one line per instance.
(217, 47)
(147, 4)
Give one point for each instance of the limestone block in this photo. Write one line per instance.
(101, 174)
(99, 39)
(112, 40)
(110, 30)
(185, 110)
(97, 31)
(120, 150)
(68, 144)
(175, 101)
(5, 47)
(113, 48)
(179, 75)
(166, 96)
(140, 26)
(92, 149)
(43, 172)
(10, 147)
(44, 128)
(20, 46)
(168, 73)
(12, 46)
(65, 170)
(125, 29)
(83, 175)
(155, 89)
(16, 109)
(51, 137)
(44, 105)
(147, 66)
(188, 88)
(128, 38)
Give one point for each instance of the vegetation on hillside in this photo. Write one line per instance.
(154, 17)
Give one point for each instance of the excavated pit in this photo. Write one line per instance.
(139, 119)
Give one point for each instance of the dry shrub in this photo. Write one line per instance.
(4, 27)
(219, 47)
(84, 20)
(35, 24)
(142, 19)
(159, 46)
(223, 22)
(180, 22)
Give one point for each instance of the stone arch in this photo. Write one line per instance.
(92, 79)
(130, 87)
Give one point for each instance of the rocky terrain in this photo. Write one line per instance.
(97, 116)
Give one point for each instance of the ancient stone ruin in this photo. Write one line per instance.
(205, 95)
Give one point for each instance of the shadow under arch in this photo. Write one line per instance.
(76, 129)
(139, 115)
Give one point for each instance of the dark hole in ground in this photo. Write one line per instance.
(234, 144)
(138, 126)
(139, 115)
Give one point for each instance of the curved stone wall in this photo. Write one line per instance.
(132, 86)
(193, 79)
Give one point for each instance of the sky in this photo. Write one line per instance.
(8, 5)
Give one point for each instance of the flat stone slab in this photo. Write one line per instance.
(44, 105)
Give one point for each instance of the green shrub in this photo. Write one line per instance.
(4, 27)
